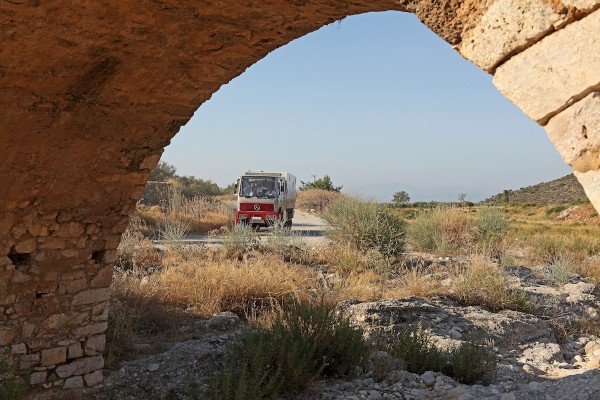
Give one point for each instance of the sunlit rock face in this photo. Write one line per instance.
(91, 93)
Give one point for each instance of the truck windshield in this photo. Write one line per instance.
(258, 186)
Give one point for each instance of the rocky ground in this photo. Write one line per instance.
(537, 356)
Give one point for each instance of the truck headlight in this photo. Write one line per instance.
(242, 216)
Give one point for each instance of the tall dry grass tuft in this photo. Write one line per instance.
(445, 230)
(317, 200)
(218, 285)
(197, 214)
(484, 284)
(591, 268)
(420, 282)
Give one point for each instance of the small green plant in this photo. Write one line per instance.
(492, 226)
(560, 271)
(305, 342)
(12, 387)
(240, 239)
(472, 361)
(366, 225)
(416, 347)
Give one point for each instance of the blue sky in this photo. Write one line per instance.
(379, 103)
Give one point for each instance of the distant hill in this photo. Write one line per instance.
(563, 190)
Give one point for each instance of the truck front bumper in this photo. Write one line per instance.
(256, 217)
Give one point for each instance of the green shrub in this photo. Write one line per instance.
(417, 349)
(491, 223)
(305, 343)
(12, 387)
(470, 362)
(366, 225)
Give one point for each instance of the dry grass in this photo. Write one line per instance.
(216, 285)
(444, 230)
(484, 284)
(591, 268)
(316, 200)
(197, 215)
(420, 282)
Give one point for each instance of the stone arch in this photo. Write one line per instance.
(90, 95)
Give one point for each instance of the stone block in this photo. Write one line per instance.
(29, 360)
(576, 133)
(94, 345)
(100, 312)
(94, 378)
(54, 356)
(90, 329)
(19, 277)
(103, 277)
(507, 26)
(26, 246)
(550, 75)
(80, 366)
(75, 351)
(91, 296)
(37, 378)
(27, 330)
(7, 335)
(73, 382)
(19, 348)
(70, 230)
(70, 287)
(590, 181)
(52, 243)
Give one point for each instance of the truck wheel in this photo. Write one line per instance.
(288, 224)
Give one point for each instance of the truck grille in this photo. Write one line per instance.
(261, 207)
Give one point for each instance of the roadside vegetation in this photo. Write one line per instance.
(287, 291)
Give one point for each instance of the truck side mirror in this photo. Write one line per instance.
(282, 187)
(237, 186)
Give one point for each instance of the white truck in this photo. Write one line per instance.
(265, 197)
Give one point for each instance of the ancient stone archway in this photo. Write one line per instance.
(91, 92)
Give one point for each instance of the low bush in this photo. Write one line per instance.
(416, 347)
(492, 225)
(366, 225)
(560, 271)
(470, 362)
(305, 342)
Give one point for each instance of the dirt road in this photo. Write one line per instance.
(307, 226)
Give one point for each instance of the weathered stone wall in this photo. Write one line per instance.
(91, 92)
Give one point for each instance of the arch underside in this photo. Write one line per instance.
(91, 93)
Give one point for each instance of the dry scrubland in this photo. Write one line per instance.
(467, 256)
(461, 254)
